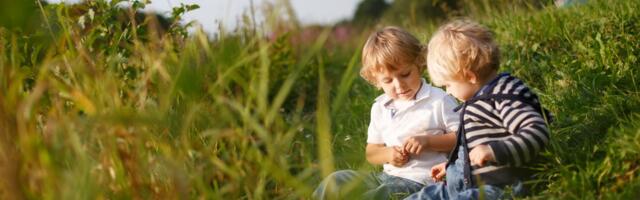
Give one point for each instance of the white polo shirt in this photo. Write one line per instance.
(430, 113)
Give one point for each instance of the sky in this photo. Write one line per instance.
(227, 12)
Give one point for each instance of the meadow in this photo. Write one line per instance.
(93, 107)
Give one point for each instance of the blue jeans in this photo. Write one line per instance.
(349, 184)
(454, 187)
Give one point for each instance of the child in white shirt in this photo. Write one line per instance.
(412, 124)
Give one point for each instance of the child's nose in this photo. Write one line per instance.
(399, 84)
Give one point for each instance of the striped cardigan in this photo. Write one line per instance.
(506, 115)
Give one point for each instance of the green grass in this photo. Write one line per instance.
(114, 111)
(582, 64)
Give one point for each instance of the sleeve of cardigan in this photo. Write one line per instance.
(529, 133)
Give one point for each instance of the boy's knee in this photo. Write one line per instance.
(341, 176)
(335, 184)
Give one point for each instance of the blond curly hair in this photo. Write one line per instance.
(391, 48)
(461, 47)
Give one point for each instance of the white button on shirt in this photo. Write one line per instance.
(430, 113)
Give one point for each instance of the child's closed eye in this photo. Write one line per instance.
(405, 75)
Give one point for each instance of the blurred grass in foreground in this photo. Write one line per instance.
(106, 111)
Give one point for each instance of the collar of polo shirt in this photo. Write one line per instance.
(423, 93)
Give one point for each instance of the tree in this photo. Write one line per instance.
(369, 11)
(19, 14)
(417, 12)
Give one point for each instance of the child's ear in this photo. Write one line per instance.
(471, 77)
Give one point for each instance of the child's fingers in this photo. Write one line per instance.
(477, 161)
(409, 147)
(434, 172)
(473, 160)
(406, 148)
(395, 162)
(399, 162)
(397, 150)
(440, 175)
(418, 149)
(437, 174)
(400, 150)
(400, 158)
(412, 148)
(474, 157)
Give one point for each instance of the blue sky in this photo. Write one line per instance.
(214, 12)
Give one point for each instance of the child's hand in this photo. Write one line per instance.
(416, 144)
(398, 156)
(480, 155)
(438, 172)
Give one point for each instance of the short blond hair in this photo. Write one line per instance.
(461, 46)
(390, 48)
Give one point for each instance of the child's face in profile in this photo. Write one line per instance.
(461, 89)
(400, 84)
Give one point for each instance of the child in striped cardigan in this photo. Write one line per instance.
(503, 128)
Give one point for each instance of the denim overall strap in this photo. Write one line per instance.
(461, 142)
(468, 179)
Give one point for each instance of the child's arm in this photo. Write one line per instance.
(379, 154)
(417, 144)
(529, 136)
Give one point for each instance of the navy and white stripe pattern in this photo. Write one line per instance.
(507, 116)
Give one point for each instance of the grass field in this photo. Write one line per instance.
(99, 109)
